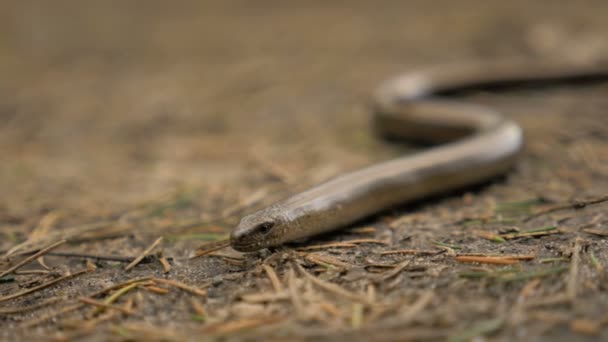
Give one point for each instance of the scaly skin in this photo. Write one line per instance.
(477, 144)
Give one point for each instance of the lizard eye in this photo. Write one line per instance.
(265, 227)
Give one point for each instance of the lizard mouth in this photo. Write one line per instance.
(245, 246)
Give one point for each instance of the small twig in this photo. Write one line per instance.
(532, 233)
(143, 254)
(486, 260)
(363, 230)
(164, 262)
(571, 285)
(33, 257)
(156, 289)
(198, 307)
(507, 256)
(43, 286)
(42, 263)
(574, 205)
(343, 244)
(99, 304)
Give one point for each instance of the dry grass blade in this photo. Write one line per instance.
(328, 245)
(371, 293)
(490, 236)
(103, 305)
(114, 297)
(575, 205)
(486, 260)
(43, 286)
(274, 279)
(78, 306)
(420, 304)
(597, 232)
(330, 309)
(363, 230)
(333, 288)
(210, 247)
(573, 277)
(356, 319)
(325, 260)
(52, 315)
(265, 297)
(31, 307)
(395, 271)
(45, 224)
(532, 233)
(28, 272)
(32, 257)
(586, 327)
(411, 252)
(294, 295)
(182, 286)
(108, 289)
(147, 332)
(250, 200)
(239, 325)
(273, 169)
(65, 234)
(504, 256)
(373, 241)
(144, 253)
(116, 258)
(156, 289)
(198, 307)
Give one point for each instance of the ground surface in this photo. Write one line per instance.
(126, 121)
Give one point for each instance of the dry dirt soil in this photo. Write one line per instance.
(122, 122)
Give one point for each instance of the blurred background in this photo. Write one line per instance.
(105, 103)
(213, 107)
